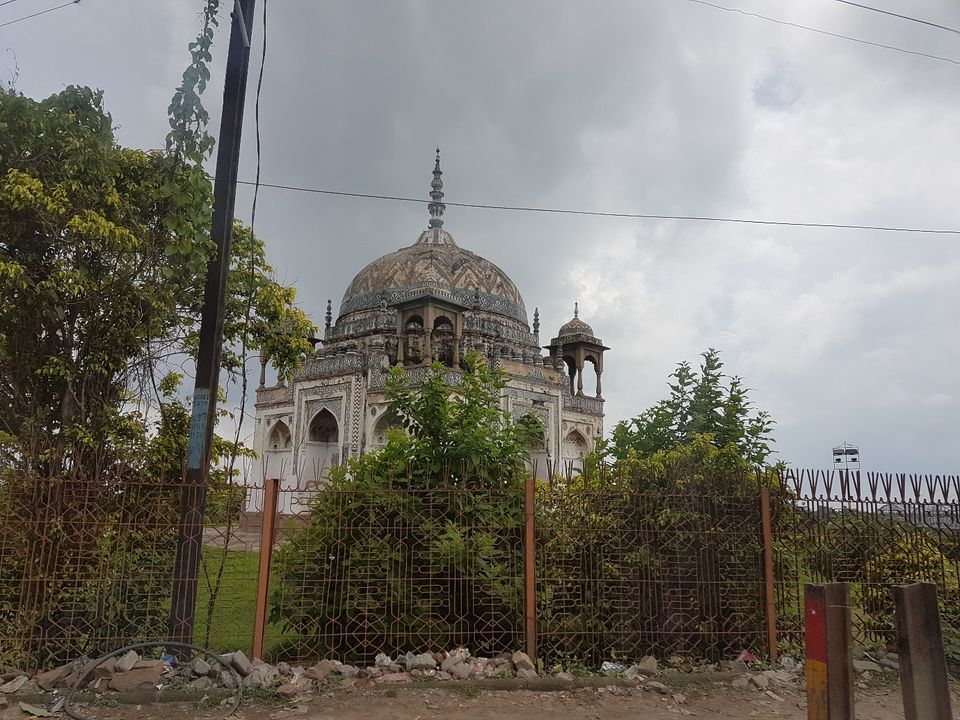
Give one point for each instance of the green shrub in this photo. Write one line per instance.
(419, 544)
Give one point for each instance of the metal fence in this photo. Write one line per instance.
(86, 567)
(623, 572)
(391, 567)
(586, 569)
(871, 530)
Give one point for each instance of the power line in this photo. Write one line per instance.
(7, 2)
(902, 17)
(828, 33)
(596, 213)
(42, 12)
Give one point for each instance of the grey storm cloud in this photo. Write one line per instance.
(665, 106)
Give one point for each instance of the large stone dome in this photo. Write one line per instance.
(435, 265)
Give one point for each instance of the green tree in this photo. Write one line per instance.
(418, 544)
(102, 275)
(103, 251)
(700, 403)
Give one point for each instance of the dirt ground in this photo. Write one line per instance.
(417, 702)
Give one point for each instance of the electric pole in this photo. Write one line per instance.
(194, 493)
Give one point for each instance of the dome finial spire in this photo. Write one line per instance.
(576, 309)
(436, 205)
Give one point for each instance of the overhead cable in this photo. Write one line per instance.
(597, 213)
(902, 17)
(42, 12)
(939, 58)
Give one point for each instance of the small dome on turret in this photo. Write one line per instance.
(575, 326)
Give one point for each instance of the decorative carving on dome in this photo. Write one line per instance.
(459, 296)
(445, 268)
(576, 327)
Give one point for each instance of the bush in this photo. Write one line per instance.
(660, 555)
(419, 544)
(913, 556)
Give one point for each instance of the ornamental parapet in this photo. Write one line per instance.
(583, 404)
(415, 376)
(338, 364)
(278, 394)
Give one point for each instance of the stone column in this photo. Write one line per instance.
(428, 335)
(598, 384)
(580, 380)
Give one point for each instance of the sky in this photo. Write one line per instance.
(634, 106)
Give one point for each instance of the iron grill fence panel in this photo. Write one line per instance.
(621, 570)
(86, 566)
(367, 570)
(871, 530)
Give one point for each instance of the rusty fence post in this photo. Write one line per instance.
(829, 652)
(268, 535)
(768, 576)
(923, 667)
(530, 567)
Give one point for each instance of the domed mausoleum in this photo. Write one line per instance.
(430, 301)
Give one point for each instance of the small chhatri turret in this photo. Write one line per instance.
(574, 346)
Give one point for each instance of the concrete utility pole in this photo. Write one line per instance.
(194, 494)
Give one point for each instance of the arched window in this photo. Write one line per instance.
(443, 340)
(383, 427)
(323, 428)
(590, 378)
(413, 339)
(574, 445)
(280, 437)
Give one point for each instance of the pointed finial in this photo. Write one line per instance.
(329, 315)
(436, 205)
(536, 321)
(576, 309)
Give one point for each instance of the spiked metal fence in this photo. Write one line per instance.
(588, 569)
(871, 530)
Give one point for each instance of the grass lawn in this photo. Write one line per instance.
(231, 625)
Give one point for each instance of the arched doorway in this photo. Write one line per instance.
(381, 430)
(322, 449)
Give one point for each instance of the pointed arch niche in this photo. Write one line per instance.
(279, 439)
(382, 428)
(323, 428)
(575, 447)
